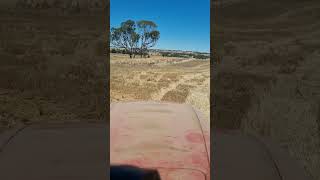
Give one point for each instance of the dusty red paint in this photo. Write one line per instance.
(199, 158)
(138, 162)
(174, 174)
(206, 135)
(163, 136)
(195, 137)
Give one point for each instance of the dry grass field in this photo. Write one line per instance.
(268, 81)
(51, 72)
(160, 78)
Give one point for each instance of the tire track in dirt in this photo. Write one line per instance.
(198, 95)
(172, 86)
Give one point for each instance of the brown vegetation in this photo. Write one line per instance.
(49, 72)
(179, 80)
(267, 82)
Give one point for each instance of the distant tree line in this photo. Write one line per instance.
(119, 51)
(124, 51)
(201, 56)
(185, 55)
(136, 38)
(167, 54)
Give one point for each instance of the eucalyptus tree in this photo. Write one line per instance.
(149, 35)
(135, 37)
(125, 37)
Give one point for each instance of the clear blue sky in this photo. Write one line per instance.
(183, 24)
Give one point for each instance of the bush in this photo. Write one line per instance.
(120, 51)
(180, 55)
(200, 56)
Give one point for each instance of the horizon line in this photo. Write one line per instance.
(174, 50)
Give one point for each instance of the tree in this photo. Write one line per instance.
(135, 38)
(149, 35)
(125, 37)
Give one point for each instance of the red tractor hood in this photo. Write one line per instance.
(173, 138)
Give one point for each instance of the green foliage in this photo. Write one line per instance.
(119, 51)
(185, 55)
(200, 56)
(125, 37)
(181, 55)
(146, 24)
(135, 37)
(149, 35)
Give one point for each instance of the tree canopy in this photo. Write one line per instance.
(135, 37)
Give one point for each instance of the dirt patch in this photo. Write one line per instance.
(179, 94)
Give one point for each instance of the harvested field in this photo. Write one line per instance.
(267, 83)
(49, 72)
(158, 78)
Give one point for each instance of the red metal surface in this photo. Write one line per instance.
(173, 138)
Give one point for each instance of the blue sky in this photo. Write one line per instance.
(183, 24)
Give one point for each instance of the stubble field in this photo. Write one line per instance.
(170, 79)
(51, 72)
(267, 83)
